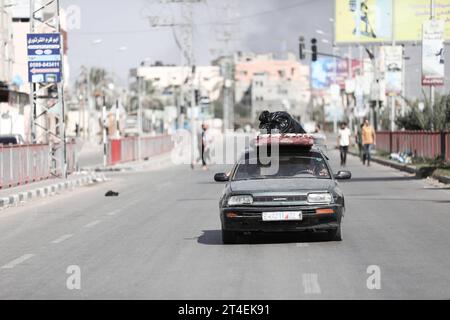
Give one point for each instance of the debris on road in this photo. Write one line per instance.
(111, 194)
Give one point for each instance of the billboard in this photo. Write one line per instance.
(370, 21)
(411, 14)
(433, 53)
(363, 21)
(44, 57)
(393, 59)
(327, 71)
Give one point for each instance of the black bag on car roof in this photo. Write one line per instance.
(280, 121)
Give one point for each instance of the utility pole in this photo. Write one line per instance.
(392, 97)
(350, 77)
(6, 45)
(432, 89)
(117, 120)
(48, 98)
(403, 100)
(139, 115)
(186, 43)
(335, 64)
(105, 133)
(227, 37)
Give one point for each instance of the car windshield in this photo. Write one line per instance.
(289, 167)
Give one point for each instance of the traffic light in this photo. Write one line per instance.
(197, 97)
(302, 48)
(314, 49)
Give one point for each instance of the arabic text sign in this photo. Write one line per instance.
(44, 57)
(411, 14)
(433, 53)
(371, 21)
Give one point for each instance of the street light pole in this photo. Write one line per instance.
(139, 116)
(432, 89)
(392, 97)
(105, 134)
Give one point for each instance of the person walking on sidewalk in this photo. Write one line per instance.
(359, 142)
(368, 140)
(344, 135)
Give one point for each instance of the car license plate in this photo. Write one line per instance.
(282, 216)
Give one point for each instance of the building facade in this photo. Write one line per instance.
(265, 82)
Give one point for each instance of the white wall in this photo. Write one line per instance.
(6, 44)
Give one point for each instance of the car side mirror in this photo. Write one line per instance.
(221, 177)
(343, 175)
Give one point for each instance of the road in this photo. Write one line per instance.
(160, 239)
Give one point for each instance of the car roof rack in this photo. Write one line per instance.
(289, 139)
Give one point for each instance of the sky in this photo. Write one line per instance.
(263, 26)
(118, 36)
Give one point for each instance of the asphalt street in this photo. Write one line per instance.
(160, 239)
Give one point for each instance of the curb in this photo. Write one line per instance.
(442, 179)
(156, 162)
(51, 190)
(421, 173)
(398, 166)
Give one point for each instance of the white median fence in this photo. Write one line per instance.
(25, 164)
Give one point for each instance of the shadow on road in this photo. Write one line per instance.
(399, 199)
(214, 238)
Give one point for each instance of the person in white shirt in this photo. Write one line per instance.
(344, 135)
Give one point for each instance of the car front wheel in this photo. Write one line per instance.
(336, 234)
(229, 237)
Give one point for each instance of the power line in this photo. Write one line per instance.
(201, 24)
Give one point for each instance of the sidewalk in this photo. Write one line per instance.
(422, 172)
(14, 196)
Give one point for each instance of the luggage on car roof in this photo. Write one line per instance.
(279, 121)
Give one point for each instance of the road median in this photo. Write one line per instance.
(26, 193)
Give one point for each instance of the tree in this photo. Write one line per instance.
(416, 119)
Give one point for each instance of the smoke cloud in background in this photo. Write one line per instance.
(263, 26)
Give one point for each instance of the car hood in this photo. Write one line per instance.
(281, 185)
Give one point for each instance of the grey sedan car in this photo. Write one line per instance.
(303, 195)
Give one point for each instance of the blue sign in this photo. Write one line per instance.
(44, 57)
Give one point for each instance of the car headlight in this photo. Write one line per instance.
(240, 200)
(320, 198)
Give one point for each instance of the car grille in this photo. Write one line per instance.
(266, 199)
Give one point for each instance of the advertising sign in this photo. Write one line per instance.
(411, 14)
(327, 71)
(393, 59)
(363, 21)
(368, 76)
(371, 21)
(44, 57)
(433, 53)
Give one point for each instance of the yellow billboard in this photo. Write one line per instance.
(411, 14)
(363, 21)
(370, 21)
